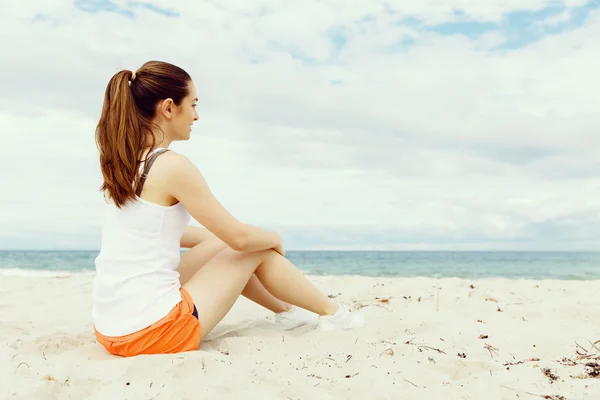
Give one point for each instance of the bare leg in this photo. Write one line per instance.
(256, 292)
(218, 284)
(199, 255)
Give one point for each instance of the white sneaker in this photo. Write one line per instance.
(295, 317)
(343, 319)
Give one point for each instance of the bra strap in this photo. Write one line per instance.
(147, 167)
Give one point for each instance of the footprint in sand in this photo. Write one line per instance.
(62, 342)
(461, 369)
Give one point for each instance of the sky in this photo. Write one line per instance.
(400, 125)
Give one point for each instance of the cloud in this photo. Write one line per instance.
(377, 124)
(556, 20)
(127, 9)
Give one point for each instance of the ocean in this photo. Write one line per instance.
(437, 264)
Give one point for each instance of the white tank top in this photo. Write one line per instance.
(137, 282)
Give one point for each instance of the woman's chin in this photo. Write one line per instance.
(185, 135)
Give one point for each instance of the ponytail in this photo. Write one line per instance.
(120, 137)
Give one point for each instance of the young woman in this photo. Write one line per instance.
(147, 297)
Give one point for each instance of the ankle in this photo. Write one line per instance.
(283, 307)
(331, 309)
(286, 307)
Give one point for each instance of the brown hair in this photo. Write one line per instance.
(122, 132)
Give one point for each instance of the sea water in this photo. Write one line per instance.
(437, 264)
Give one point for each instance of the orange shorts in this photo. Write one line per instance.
(178, 331)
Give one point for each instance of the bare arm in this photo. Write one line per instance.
(186, 184)
(194, 235)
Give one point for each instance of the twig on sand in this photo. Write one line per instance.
(359, 306)
(581, 347)
(585, 357)
(422, 346)
(417, 386)
(431, 348)
(587, 353)
(520, 362)
(491, 349)
(22, 364)
(594, 344)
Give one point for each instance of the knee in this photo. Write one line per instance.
(268, 254)
(267, 257)
(255, 258)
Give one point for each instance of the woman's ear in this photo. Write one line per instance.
(166, 108)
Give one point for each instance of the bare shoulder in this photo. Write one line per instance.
(173, 161)
(170, 172)
(177, 172)
(171, 165)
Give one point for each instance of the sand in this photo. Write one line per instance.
(422, 341)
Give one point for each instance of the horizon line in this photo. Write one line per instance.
(64, 250)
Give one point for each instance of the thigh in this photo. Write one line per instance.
(196, 257)
(218, 284)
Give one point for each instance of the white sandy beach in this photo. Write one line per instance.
(411, 348)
